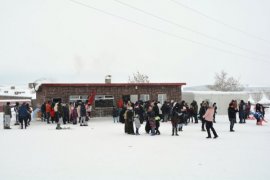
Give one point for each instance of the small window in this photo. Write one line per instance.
(75, 98)
(134, 98)
(144, 97)
(162, 98)
(104, 101)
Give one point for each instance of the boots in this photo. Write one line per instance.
(58, 127)
(137, 131)
(174, 130)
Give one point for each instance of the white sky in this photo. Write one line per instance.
(66, 42)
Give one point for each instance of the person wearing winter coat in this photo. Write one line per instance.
(137, 123)
(43, 111)
(7, 116)
(74, 115)
(151, 120)
(83, 115)
(242, 109)
(194, 106)
(165, 111)
(209, 117)
(157, 117)
(129, 129)
(115, 114)
(16, 109)
(232, 110)
(23, 115)
(175, 119)
(79, 112)
(59, 114)
(30, 110)
(202, 111)
(48, 111)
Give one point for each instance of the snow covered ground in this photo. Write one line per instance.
(103, 151)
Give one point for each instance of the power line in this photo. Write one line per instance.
(188, 29)
(220, 22)
(164, 32)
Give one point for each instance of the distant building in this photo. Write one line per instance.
(109, 94)
(13, 95)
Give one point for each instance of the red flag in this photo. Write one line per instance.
(120, 103)
(91, 98)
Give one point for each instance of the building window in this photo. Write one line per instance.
(133, 98)
(104, 101)
(144, 97)
(76, 98)
(162, 98)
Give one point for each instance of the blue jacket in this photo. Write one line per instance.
(23, 111)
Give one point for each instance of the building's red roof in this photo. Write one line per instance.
(110, 84)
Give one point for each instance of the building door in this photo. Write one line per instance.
(126, 98)
(56, 100)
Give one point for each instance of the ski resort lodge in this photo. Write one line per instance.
(106, 95)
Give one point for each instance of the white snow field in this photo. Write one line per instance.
(103, 151)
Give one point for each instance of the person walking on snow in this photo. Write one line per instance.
(209, 117)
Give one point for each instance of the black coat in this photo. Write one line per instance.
(232, 112)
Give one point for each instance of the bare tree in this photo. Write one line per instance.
(225, 83)
(138, 78)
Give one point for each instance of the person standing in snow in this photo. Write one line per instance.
(59, 113)
(74, 115)
(175, 118)
(194, 106)
(48, 111)
(232, 110)
(23, 115)
(115, 114)
(137, 123)
(16, 109)
(7, 116)
(129, 129)
(202, 112)
(43, 111)
(29, 110)
(157, 117)
(165, 111)
(242, 109)
(209, 117)
(151, 120)
(83, 115)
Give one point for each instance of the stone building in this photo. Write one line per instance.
(108, 95)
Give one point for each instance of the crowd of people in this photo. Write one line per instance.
(74, 113)
(135, 114)
(153, 112)
(180, 114)
(22, 113)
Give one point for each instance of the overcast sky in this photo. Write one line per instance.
(64, 41)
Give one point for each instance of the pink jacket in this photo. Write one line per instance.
(209, 114)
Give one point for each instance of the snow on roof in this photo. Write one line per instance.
(15, 91)
(264, 100)
(215, 92)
